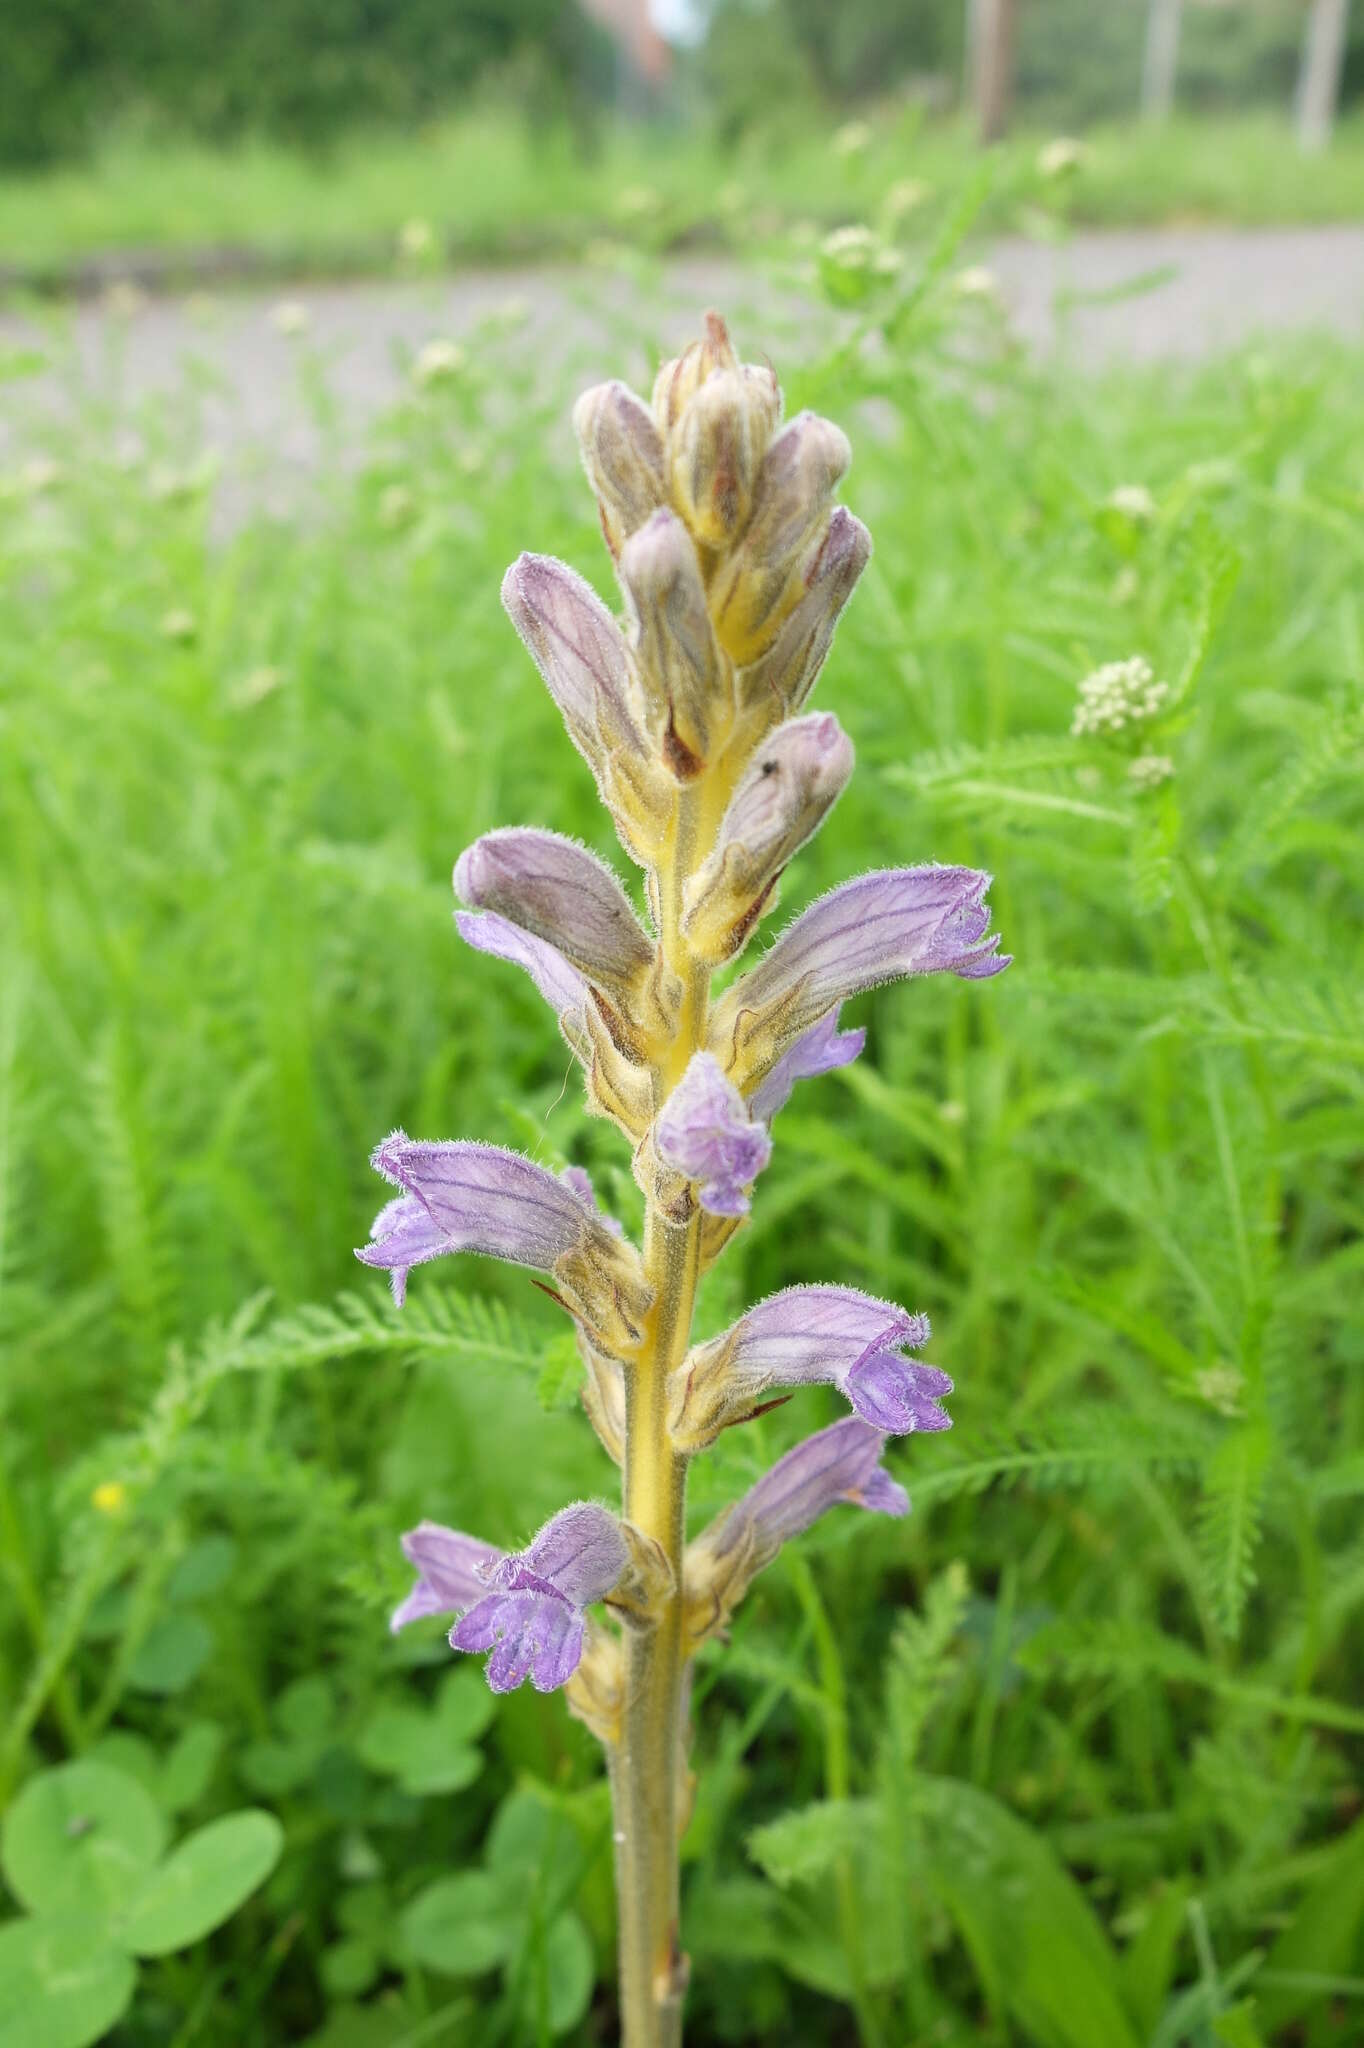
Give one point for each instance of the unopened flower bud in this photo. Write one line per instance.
(563, 894)
(784, 797)
(780, 681)
(717, 447)
(681, 672)
(623, 454)
(678, 382)
(580, 651)
(763, 581)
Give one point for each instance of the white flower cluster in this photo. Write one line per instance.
(1119, 694)
(1148, 771)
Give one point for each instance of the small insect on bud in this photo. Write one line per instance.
(678, 382)
(683, 676)
(763, 579)
(780, 681)
(622, 452)
(784, 797)
(716, 449)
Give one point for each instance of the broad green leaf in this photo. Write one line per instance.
(190, 1765)
(570, 1970)
(465, 1704)
(274, 1768)
(78, 1838)
(1038, 1948)
(419, 1750)
(130, 1754)
(205, 1568)
(59, 1988)
(306, 1710)
(172, 1655)
(201, 1883)
(461, 1926)
(804, 1844)
(348, 1968)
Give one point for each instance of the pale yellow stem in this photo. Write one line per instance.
(646, 1764)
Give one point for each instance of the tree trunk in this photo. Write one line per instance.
(995, 25)
(1323, 59)
(1161, 60)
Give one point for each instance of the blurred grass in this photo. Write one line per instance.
(1096, 1701)
(491, 191)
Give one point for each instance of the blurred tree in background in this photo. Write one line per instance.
(302, 69)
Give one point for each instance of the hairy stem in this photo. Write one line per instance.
(647, 1765)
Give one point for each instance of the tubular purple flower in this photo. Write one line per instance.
(532, 1614)
(842, 1463)
(451, 1572)
(706, 1133)
(822, 1048)
(562, 895)
(463, 1197)
(808, 1336)
(789, 789)
(562, 987)
(623, 455)
(881, 926)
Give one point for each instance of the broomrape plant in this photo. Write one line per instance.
(735, 565)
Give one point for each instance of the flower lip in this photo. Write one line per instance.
(706, 1132)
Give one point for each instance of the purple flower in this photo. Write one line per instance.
(561, 985)
(877, 928)
(532, 1615)
(804, 1336)
(462, 1197)
(578, 1178)
(563, 896)
(705, 1132)
(842, 1463)
(451, 1572)
(823, 1048)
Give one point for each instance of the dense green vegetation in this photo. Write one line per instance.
(1072, 1755)
(489, 190)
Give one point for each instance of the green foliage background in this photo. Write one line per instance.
(1071, 1756)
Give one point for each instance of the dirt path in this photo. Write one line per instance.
(1151, 295)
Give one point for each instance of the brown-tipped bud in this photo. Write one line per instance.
(686, 684)
(780, 681)
(762, 580)
(623, 454)
(717, 447)
(783, 798)
(678, 382)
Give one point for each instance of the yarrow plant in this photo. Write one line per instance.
(735, 565)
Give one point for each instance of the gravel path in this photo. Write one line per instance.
(1146, 296)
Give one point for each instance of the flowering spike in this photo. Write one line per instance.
(882, 926)
(788, 791)
(562, 895)
(842, 1463)
(735, 566)
(706, 1134)
(807, 1336)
